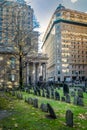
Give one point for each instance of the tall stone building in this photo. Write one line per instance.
(18, 44)
(65, 43)
(16, 18)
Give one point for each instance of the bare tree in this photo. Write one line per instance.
(18, 31)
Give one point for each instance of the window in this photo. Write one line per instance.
(12, 62)
(11, 77)
(58, 72)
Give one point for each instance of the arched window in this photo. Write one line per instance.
(12, 62)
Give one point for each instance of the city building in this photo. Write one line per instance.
(65, 43)
(18, 45)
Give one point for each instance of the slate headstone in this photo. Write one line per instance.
(80, 101)
(69, 118)
(51, 111)
(35, 103)
(65, 89)
(44, 107)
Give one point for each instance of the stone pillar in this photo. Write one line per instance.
(27, 74)
(45, 71)
(34, 73)
(39, 71)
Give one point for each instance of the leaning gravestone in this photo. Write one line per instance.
(51, 111)
(69, 118)
(44, 107)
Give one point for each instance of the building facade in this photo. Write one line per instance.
(65, 43)
(18, 41)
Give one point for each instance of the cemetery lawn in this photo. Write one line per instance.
(26, 117)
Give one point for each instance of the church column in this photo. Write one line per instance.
(39, 71)
(45, 71)
(34, 73)
(27, 73)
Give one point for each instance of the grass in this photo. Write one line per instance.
(26, 117)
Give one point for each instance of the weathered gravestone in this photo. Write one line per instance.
(65, 89)
(57, 95)
(51, 111)
(35, 103)
(78, 101)
(44, 107)
(68, 99)
(80, 93)
(30, 100)
(69, 118)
